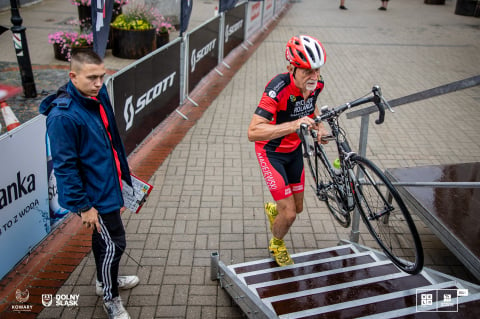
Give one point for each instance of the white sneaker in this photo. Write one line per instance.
(115, 310)
(124, 282)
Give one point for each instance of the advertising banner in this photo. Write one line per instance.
(268, 10)
(254, 17)
(278, 6)
(226, 5)
(57, 212)
(202, 51)
(144, 95)
(101, 16)
(24, 207)
(185, 13)
(234, 28)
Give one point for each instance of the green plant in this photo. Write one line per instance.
(139, 17)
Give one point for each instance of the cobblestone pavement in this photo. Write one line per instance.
(209, 191)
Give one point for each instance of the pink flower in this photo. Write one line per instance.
(89, 2)
(70, 39)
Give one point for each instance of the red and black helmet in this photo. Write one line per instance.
(305, 52)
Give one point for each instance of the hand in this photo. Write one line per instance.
(322, 132)
(90, 219)
(304, 120)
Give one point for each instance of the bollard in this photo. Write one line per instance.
(11, 120)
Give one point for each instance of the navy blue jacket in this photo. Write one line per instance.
(83, 159)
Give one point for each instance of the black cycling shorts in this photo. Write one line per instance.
(283, 172)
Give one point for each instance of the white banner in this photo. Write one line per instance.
(254, 18)
(279, 6)
(24, 207)
(267, 11)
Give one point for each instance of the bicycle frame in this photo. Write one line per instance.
(361, 185)
(342, 182)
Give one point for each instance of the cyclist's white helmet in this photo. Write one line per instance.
(305, 52)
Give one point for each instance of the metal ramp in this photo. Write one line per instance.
(346, 281)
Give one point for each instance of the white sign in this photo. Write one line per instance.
(24, 207)
(268, 11)
(254, 17)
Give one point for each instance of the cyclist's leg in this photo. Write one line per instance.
(290, 206)
(287, 213)
(273, 171)
(273, 168)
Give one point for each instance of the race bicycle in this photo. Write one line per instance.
(352, 181)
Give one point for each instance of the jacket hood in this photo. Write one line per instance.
(60, 98)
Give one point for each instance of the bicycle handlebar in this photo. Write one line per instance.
(377, 98)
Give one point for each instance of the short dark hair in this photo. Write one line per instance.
(85, 57)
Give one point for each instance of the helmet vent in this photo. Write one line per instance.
(310, 53)
(318, 50)
(300, 54)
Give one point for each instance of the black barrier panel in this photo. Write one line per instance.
(202, 52)
(146, 94)
(234, 28)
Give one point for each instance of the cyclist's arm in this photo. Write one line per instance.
(260, 128)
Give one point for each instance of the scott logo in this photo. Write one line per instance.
(145, 99)
(229, 30)
(197, 56)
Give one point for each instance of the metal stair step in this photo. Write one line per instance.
(347, 281)
(374, 305)
(319, 281)
(299, 269)
(298, 258)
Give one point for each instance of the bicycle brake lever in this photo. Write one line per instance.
(378, 98)
(387, 104)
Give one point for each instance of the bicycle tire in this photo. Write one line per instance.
(326, 191)
(394, 231)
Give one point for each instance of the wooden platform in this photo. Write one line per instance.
(451, 213)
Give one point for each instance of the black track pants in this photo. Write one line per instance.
(108, 247)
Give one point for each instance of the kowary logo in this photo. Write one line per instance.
(15, 190)
(130, 110)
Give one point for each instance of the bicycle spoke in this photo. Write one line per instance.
(387, 218)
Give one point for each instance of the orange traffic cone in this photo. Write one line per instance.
(10, 119)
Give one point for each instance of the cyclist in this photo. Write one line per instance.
(288, 101)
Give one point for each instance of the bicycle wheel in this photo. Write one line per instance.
(326, 190)
(387, 217)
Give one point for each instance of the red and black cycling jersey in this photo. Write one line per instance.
(283, 102)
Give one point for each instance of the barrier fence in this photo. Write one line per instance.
(143, 95)
(147, 91)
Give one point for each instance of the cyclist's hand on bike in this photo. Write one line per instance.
(322, 132)
(304, 120)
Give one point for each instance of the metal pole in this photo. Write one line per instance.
(214, 258)
(21, 50)
(362, 151)
(221, 43)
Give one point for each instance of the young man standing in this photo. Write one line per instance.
(288, 101)
(90, 163)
